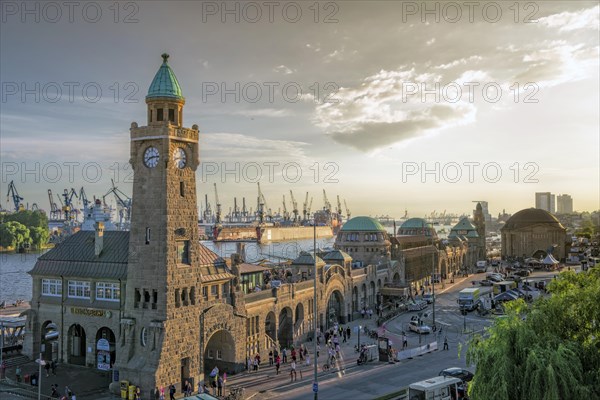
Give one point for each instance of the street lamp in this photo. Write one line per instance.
(50, 335)
(359, 329)
(315, 310)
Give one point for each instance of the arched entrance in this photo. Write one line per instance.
(285, 333)
(396, 279)
(299, 320)
(50, 345)
(539, 254)
(105, 349)
(335, 309)
(76, 345)
(271, 325)
(219, 352)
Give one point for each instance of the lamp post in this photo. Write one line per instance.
(315, 383)
(359, 329)
(433, 281)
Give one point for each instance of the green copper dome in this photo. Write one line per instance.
(415, 223)
(365, 224)
(165, 83)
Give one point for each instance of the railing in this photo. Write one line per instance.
(257, 296)
(269, 342)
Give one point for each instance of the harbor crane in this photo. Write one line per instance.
(262, 209)
(305, 208)
(347, 210)
(207, 210)
(123, 205)
(286, 215)
(34, 207)
(17, 200)
(244, 211)
(67, 206)
(294, 206)
(55, 212)
(83, 198)
(326, 203)
(309, 208)
(218, 205)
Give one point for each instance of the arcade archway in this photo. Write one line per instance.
(105, 348)
(271, 325)
(299, 320)
(76, 345)
(285, 333)
(49, 346)
(335, 312)
(219, 352)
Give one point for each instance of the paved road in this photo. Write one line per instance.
(374, 379)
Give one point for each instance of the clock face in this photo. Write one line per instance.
(151, 157)
(179, 157)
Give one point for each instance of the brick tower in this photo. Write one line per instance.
(479, 222)
(159, 343)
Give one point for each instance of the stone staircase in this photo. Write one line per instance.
(16, 360)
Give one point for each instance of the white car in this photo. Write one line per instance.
(420, 329)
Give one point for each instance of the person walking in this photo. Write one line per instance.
(270, 358)
(172, 392)
(156, 393)
(293, 376)
(53, 367)
(348, 332)
(344, 336)
(277, 364)
(47, 368)
(18, 373)
(220, 387)
(284, 354)
(445, 342)
(404, 341)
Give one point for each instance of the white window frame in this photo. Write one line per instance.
(48, 284)
(79, 286)
(102, 288)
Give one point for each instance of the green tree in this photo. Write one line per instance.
(13, 234)
(39, 236)
(28, 218)
(549, 350)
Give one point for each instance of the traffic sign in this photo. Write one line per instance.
(42, 362)
(315, 387)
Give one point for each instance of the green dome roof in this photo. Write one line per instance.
(415, 223)
(165, 82)
(363, 224)
(464, 228)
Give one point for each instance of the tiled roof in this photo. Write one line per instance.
(75, 257)
(248, 268)
(337, 255)
(305, 258)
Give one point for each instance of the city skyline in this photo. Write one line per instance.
(364, 127)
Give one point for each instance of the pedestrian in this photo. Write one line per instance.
(53, 367)
(293, 376)
(308, 360)
(162, 393)
(18, 373)
(156, 393)
(172, 392)
(75, 398)
(445, 342)
(255, 364)
(220, 387)
(277, 365)
(293, 354)
(404, 341)
(270, 358)
(348, 332)
(54, 393)
(284, 354)
(138, 393)
(344, 336)
(188, 388)
(47, 368)
(362, 313)
(250, 364)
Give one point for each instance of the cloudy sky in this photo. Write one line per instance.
(393, 106)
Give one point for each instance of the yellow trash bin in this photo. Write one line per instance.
(124, 386)
(131, 392)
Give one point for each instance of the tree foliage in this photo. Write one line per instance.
(28, 218)
(13, 234)
(549, 350)
(39, 236)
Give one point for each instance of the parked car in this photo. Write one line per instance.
(486, 282)
(481, 269)
(455, 372)
(523, 272)
(495, 278)
(418, 328)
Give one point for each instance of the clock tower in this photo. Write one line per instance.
(159, 342)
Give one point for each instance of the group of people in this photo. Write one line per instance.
(366, 312)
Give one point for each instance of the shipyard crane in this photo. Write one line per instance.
(83, 198)
(309, 208)
(123, 205)
(304, 208)
(207, 209)
(294, 207)
(326, 203)
(286, 215)
(244, 211)
(17, 200)
(218, 205)
(347, 210)
(55, 212)
(262, 209)
(67, 205)
(34, 207)
(339, 206)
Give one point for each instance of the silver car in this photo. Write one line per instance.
(418, 328)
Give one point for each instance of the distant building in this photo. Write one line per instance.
(545, 201)
(533, 233)
(365, 240)
(465, 232)
(486, 211)
(564, 203)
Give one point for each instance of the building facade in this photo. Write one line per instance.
(533, 233)
(157, 306)
(545, 201)
(564, 204)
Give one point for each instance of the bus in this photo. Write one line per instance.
(438, 388)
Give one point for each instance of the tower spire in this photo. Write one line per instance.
(165, 57)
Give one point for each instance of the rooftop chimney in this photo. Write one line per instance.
(99, 238)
